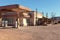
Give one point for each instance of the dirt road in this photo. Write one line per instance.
(50, 32)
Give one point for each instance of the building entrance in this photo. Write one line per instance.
(9, 21)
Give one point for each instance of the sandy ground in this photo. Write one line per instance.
(50, 32)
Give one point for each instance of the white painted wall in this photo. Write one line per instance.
(24, 22)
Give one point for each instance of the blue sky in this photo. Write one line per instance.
(42, 5)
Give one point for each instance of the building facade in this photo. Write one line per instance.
(17, 15)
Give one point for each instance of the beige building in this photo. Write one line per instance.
(17, 15)
(35, 16)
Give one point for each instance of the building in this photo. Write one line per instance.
(35, 17)
(17, 15)
(55, 20)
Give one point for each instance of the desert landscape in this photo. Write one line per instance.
(50, 32)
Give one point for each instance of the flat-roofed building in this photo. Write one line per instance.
(21, 15)
(13, 13)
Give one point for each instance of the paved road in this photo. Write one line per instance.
(50, 32)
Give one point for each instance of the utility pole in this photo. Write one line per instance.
(46, 18)
(43, 19)
(36, 16)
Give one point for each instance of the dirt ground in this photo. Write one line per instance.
(50, 32)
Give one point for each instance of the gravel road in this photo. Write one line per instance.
(50, 32)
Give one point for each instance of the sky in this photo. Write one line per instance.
(46, 6)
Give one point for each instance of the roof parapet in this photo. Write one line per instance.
(14, 6)
(25, 8)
